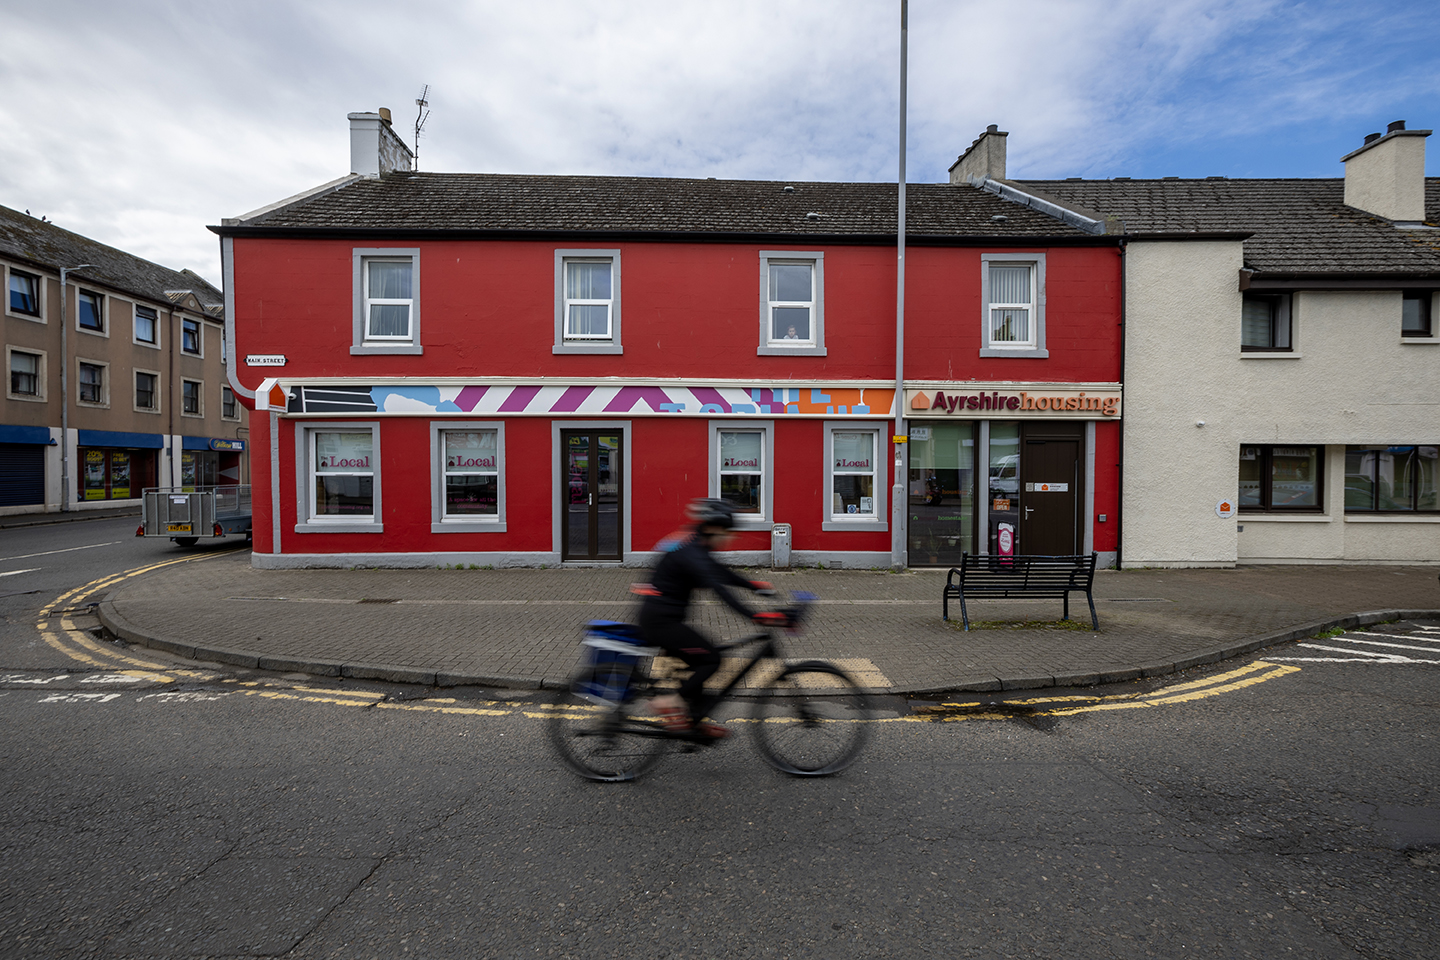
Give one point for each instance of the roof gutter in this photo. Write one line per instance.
(263, 232)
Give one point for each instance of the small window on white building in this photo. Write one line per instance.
(1265, 323)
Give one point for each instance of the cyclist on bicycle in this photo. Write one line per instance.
(688, 564)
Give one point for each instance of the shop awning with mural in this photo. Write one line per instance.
(576, 399)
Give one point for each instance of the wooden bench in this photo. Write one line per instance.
(994, 578)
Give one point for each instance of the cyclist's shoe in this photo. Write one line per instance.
(674, 719)
(712, 730)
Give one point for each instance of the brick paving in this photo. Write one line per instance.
(520, 628)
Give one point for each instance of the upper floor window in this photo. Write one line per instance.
(387, 300)
(1012, 291)
(145, 325)
(24, 293)
(1265, 322)
(92, 382)
(587, 301)
(1281, 478)
(26, 371)
(1393, 479)
(792, 302)
(190, 334)
(228, 408)
(1415, 319)
(146, 394)
(190, 393)
(90, 311)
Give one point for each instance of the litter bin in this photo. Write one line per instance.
(780, 546)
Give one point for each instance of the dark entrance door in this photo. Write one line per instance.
(1050, 495)
(592, 520)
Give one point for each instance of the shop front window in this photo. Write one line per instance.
(1398, 479)
(108, 474)
(742, 469)
(1280, 478)
(199, 468)
(344, 474)
(941, 492)
(472, 474)
(853, 476)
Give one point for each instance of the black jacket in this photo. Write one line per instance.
(685, 569)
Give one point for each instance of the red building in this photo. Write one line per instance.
(525, 370)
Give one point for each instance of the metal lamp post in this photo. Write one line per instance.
(65, 393)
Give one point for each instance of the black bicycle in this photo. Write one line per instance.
(810, 720)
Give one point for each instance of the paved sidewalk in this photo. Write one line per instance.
(520, 628)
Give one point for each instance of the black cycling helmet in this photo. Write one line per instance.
(712, 513)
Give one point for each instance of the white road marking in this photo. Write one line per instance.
(116, 678)
(16, 573)
(22, 678)
(47, 553)
(80, 698)
(187, 696)
(1362, 652)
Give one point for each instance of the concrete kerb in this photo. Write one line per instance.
(111, 619)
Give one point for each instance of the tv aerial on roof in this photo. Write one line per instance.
(421, 115)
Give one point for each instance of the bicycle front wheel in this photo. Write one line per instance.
(600, 732)
(813, 721)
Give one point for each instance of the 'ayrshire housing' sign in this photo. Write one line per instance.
(1016, 401)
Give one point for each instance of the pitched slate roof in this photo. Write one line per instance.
(27, 238)
(1300, 227)
(518, 204)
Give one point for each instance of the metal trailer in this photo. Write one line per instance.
(188, 515)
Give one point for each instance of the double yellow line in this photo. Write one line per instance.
(1247, 676)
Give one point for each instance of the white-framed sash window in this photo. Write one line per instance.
(339, 488)
(792, 303)
(587, 301)
(469, 478)
(742, 469)
(855, 478)
(387, 300)
(1013, 300)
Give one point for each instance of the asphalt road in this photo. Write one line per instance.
(1260, 808)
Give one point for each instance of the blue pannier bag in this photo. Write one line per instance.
(616, 649)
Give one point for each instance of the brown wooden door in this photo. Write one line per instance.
(1049, 497)
(593, 496)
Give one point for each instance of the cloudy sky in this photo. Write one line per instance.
(138, 122)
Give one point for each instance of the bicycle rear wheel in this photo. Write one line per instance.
(601, 733)
(813, 721)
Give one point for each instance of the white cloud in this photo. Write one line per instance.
(138, 123)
